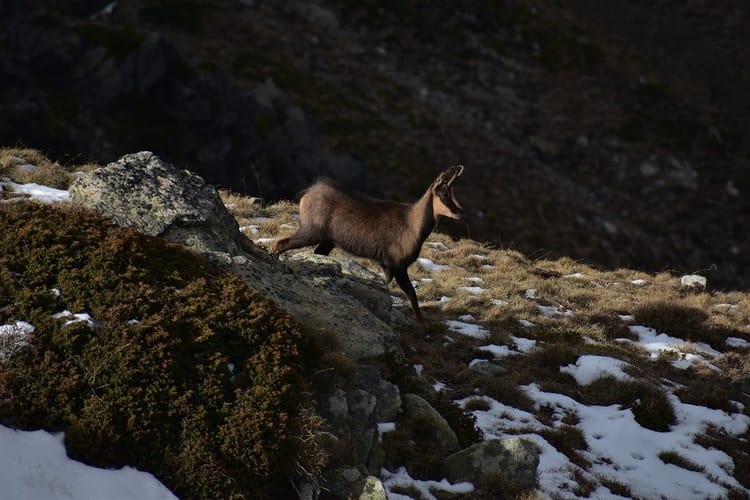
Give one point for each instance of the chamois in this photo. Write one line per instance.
(387, 232)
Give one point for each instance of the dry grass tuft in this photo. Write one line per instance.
(734, 447)
(615, 487)
(674, 458)
(673, 318)
(568, 440)
(710, 392)
(25, 166)
(648, 402)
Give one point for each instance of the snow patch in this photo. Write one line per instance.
(401, 479)
(589, 368)
(468, 329)
(430, 265)
(737, 342)
(35, 465)
(39, 192)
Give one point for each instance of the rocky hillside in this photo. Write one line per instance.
(539, 378)
(612, 135)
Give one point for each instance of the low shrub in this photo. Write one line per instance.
(713, 392)
(186, 372)
(672, 318)
(650, 405)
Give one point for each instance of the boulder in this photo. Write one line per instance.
(352, 483)
(143, 192)
(417, 408)
(693, 282)
(334, 295)
(515, 458)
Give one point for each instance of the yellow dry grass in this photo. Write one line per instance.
(25, 166)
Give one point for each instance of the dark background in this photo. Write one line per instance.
(611, 132)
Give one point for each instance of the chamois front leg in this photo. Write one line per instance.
(405, 283)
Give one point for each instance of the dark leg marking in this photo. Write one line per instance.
(403, 281)
(324, 248)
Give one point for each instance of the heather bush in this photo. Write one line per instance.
(184, 371)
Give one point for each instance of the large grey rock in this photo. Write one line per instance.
(365, 286)
(416, 407)
(351, 483)
(515, 458)
(143, 192)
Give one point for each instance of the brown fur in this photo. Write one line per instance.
(388, 232)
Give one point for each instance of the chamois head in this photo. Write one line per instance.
(443, 200)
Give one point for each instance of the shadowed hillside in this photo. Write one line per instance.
(612, 134)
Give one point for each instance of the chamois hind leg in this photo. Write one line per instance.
(403, 281)
(297, 240)
(324, 248)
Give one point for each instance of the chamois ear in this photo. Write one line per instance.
(449, 175)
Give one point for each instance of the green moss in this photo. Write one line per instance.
(158, 393)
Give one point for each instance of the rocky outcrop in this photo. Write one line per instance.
(327, 294)
(143, 192)
(514, 458)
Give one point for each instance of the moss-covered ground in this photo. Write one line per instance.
(179, 369)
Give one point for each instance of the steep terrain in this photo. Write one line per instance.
(573, 381)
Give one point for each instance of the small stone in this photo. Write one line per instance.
(516, 458)
(486, 367)
(693, 281)
(389, 401)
